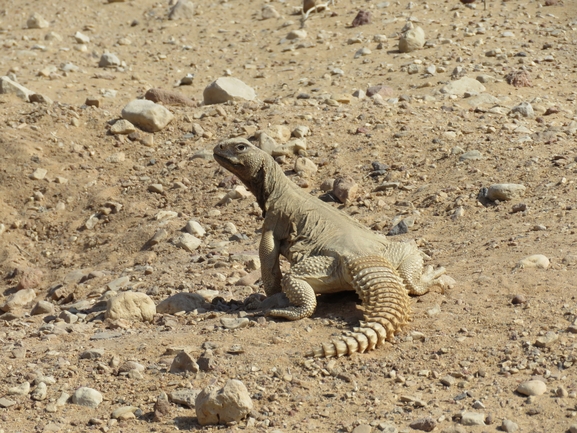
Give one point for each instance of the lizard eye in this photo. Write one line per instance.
(241, 147)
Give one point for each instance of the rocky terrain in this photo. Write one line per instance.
(128, 258)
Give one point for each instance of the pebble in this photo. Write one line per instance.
(118, 283)
(108, 60)
(181, 302)
(22, 389)
(187, 242)
(518, 299)
(131, 306)
(186, 397)
(7, 85)
(42, 307)
(124, 413)
(412, 39)
(448, 380)
(532, 387)
(221, 406)
(182, 10)
(234, 323)
(471, 155)
(183, 363)
(122, 126)
(147, 115)
(194, 228)
(345, 189)
(36, 21)
(167, 97)
(38, 174)
(363, 428)
(472, 418)
(85, 396)
(296, 34)
(92, 354)
(268, 12)
(40, 392)
(227, 89)
(524, 109)
(509, 426)
(6, 402)
(305, 167)
(31, 279)
(462, 86)
(156, 188)
(18, 300)
(505, 191)
(425, 424)
(573, 428)
(547, 340)
(538, 261)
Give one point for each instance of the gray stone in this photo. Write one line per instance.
(509, 426)
(9, 86)
(345, 189)
(182, 9)
(36, 21)
(266, 143)
(187, 242)
(573, 428)
(363, 428)
(18, 300)
(505, 191)
(472, 418)
(40, 392)
(183, 363)
(88, 397)
(122, 126)
(108, 60)
(232, 323)
(524, 109)
(547, 340)
(131, 306)
(22, 389)
(482, 99)
(305, 167)
(462, 86)
(42, 307)
(425, 424)
(147, 115)
(181, 302)
(268, 12)
(194, 228)
(118, 283)
(186, 397)
(532, 387)
(471, 155)
(221, 406)
(413, 39)
(6, 402)
(227, 89)
(92, 354)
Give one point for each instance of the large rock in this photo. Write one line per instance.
(9, 86)
(462, 86)
(183, 9)
(18, 300)
(221, 406)
(87, 397)
(107, 60)
(147, 115)
(181, 302)
(413, 39)
(131, 306)
(227, 89)
(532, 387)
(505, 191)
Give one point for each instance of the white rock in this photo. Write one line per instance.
(22, 389)
(462, 86)
(38, 174)
(505, 191)
(131, 306)
(181, 302)
(107, 60)
(532, 387)
(122, 126)
(234, 323)
(40, 392)
(9, 86)
(538, 261)
(147, 115)
(182, 9)
(525, 109)
(194, 228)
(413, 39)
(305, 167)
(229, 404)
(227, 89)
(87, 397)
(187, 242)
(36, 21)
(268, 12)
(472, 418)
(81, 38)
(18, 300)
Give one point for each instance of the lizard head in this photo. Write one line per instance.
(240, 157)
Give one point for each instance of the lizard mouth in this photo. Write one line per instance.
(225, 161)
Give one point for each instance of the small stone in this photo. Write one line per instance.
(161, 407)
(40, 392)
(268, 12)
(181, 302)
(147, 115)
(81, 38)
(538, 261)
(167, 97)
(532, 387)
(509, 426)
(38, 174)
(194, 228)
(8, 85)
(448, 380)
(92, 102)
(411, 40)
(36, 21)
(305, 167)
(182, 10)
(345, 189)
(182, 363)
(124, 413)
(472, 418)
(547, 340)
(300, 131)
(88, 397)
(118, 283)
(18, 300)
(31, 279)
(573, 428)
(462, 86)
(92, 354)
(108, 60)
(42, 307)
(361, 53)
(122, 126)
(561, 392)
(471, 155)
(156, 188)
(222, 406)
(518, 299)
(227, 89)
(22, 389)
(524, 109)
(297, 34)
(6, 402)
(425, 424)
(362, 18)
(186, 397)
(505, 191)
(131, 306)
(187, 242)
(232, 323)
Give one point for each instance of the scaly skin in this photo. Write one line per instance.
(328, 251)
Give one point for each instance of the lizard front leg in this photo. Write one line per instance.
(269, 251)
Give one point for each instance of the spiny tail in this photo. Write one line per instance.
(386, 302)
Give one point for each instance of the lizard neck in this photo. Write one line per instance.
(268, 185)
